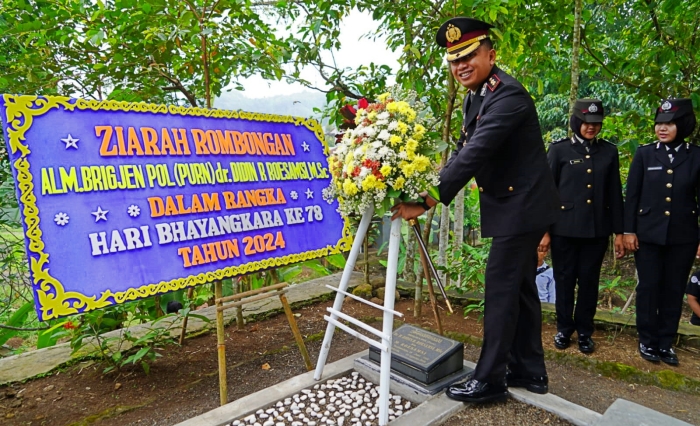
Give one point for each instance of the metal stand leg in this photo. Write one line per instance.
(339, 297)
(388, 321)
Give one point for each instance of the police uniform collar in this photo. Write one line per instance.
(580, 140)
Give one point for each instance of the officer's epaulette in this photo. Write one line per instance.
(560, 140)
(493, 82)
(609, 143)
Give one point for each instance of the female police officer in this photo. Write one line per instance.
(661, 226)
(587, 173)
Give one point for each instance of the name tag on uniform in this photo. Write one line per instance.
(655, 168)
(577, 161)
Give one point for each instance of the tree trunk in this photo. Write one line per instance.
(575, 53)
(444, 239)
(408, 275)
(458, 239)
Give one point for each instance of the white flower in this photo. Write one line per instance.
(384, 135)
(61, 219)
(393, 125)
(364, 171)
(383, 116)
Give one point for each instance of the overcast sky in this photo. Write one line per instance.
(354, 52)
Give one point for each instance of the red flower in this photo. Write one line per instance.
(69, 326)
(356, 171)
(362, 103)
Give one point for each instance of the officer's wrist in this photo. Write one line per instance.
(423, 203)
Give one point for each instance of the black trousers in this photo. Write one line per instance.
(577, 261)
(512, 312)
(663, 274)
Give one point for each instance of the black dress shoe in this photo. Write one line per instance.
(561, 341)
(477, 392)
(534, 384)
(648, 353)
(668, 356)
(585, 344)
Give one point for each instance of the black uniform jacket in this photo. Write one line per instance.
(589, 188)
(661, 205)
(501, 145)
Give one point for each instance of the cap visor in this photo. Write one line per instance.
(592, 118)
(451, 57)
(664, 117)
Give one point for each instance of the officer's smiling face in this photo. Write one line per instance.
(590, 130)
(473, 69)
(666, 132)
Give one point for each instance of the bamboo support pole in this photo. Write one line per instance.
(295, 332)
(220, 344)
(251, 293)
(223, 307)
(431, 292)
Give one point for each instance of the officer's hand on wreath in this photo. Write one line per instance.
(407, 211)
(619, 246)
(543, 247)
(698, 252)
(630, 242)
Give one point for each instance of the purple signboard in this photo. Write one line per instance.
(121, 201)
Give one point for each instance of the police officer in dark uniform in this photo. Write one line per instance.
(661, 226)
(501, 145)
(587, 172)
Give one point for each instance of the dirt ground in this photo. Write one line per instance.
(184, 382)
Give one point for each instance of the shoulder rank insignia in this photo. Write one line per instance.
(493, 82)
(560, 140)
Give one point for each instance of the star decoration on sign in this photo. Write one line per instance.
(100, 214)
(133, 210)
(70, 141)
(61, 219)
(305, 146)
(309, 193)
(294, 195)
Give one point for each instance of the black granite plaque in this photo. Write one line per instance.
(421, 355)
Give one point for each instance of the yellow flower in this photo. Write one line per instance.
(371, 182)
(408, 169)
(394, 140)
(349, 187)
(385, 170)
(392, 107)
(402, 127)
(398, 184)
(383, 97)
(411, 147)
(372, 115)
(421, 162)
(419, 132)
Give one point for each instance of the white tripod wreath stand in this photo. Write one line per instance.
(385, 336)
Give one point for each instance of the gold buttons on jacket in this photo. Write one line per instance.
(589, 201)
(588, 156)
(481, 189)
(668, 199)
(667, 213)
(510, 188)
(669, 171)
(669, 185)
(562, 207)
(640, 210)
(589, 186)
(589, 171)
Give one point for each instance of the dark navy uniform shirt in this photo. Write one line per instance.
(588, 180)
